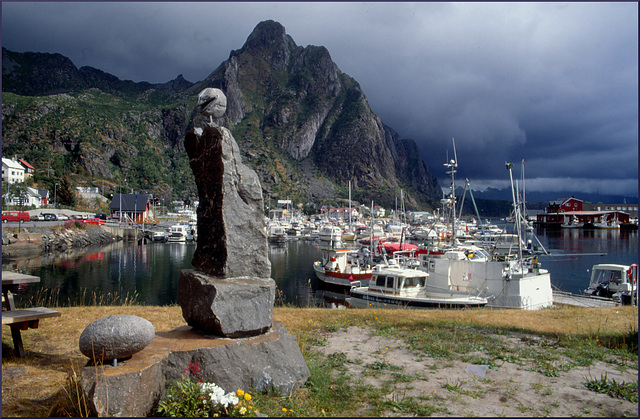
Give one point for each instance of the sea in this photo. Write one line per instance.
(149, 273)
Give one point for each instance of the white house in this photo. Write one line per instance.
(34, 197)
(12, 171)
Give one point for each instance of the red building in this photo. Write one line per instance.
(569, 209)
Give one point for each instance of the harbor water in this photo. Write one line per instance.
(150, 272)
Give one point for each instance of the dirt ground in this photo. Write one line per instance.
(453, 388)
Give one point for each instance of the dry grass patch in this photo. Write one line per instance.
(33, 386)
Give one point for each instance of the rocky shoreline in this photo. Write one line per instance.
(43, 240)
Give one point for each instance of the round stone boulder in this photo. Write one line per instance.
(116, 337)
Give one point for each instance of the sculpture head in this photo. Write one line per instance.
(211, 102)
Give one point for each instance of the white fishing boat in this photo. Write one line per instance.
(572, 222)
(341, 267)
(398, 285)
(618, 282)
(276, 233)
(612, 224)
(178, 233)
(330, 233)
(348, 235)
(514, 281)
(160, 236)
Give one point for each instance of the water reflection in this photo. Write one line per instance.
(153, 270)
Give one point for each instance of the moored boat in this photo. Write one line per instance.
(398, 285)
(276, 233)
(178, 233)
(330, 233)
(618, 282)
(341, 267)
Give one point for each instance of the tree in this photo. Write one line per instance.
(16, 192)
(66, 194)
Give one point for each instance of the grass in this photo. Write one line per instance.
(548, 341)
(623, 390)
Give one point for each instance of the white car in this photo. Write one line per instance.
(63, 217)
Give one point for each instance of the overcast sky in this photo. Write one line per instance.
(555, 84)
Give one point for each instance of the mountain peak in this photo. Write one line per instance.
(265, 33)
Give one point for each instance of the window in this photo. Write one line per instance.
(380, 280)
(390, 281)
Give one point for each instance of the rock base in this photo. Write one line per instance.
(271, 361)
(227, 307)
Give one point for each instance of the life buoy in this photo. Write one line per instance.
(630, 276)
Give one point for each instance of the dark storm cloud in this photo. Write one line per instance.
(554, 84)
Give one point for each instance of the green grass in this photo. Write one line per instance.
(623, 390)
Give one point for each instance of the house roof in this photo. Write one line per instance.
(130, 202)
(27, 165)
(12, 164)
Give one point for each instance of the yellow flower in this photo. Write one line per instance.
(243, 410)
(247, 396)
(284, 409)
(240, 392)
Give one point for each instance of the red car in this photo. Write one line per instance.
(15, 216)
(93, 221)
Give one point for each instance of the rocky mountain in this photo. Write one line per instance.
(301, 123)
(41, 74)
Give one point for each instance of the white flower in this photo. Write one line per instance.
(217, 396)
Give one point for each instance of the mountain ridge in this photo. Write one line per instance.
(301, 123)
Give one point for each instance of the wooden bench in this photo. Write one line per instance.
(24, 319)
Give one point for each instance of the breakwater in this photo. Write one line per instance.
(39, 240)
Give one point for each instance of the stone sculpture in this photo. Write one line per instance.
(230, 292)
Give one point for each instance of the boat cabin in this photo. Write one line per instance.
(612, 281)
(398, 282)
(336, 260)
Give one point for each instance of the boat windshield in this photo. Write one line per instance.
(415, 281)
(606, 276)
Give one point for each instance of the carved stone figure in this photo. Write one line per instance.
(211, 102)
(230, 292)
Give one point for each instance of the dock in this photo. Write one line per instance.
(566, 298)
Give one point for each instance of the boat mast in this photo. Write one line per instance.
(524, 209)
(516, 213)
(452, 165)
(350, 224)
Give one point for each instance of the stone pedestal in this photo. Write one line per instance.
(270, 361)
(234, 307)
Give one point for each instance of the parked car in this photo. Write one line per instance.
(15, 216)
(63, 217)
(49, 216)
(93, 221)
(37, 217)
(102, 216)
